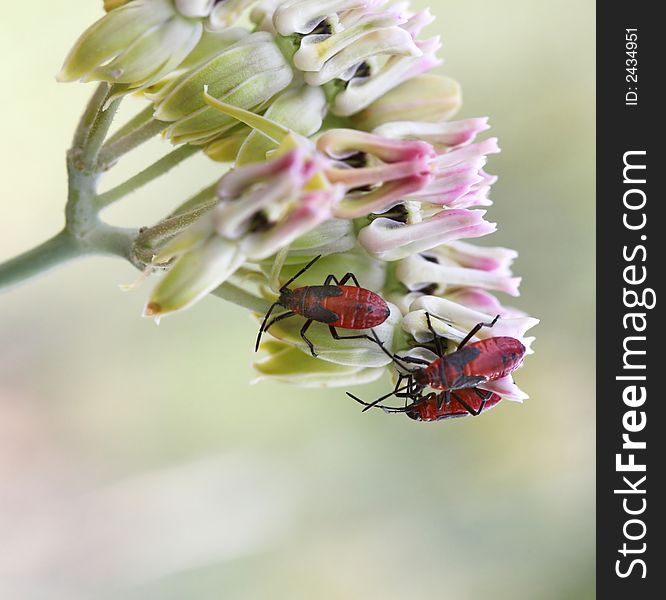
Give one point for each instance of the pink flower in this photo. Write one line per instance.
(392, 240)
(266, 206)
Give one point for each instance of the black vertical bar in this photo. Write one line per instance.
(630, 271)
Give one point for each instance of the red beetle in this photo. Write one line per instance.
(434, 407)
(339, 305)
(464, 369)
(468, 401)
(479, 362)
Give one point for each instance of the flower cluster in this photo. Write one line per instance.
(340, 143)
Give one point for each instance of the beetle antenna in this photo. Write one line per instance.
(303, 270)
(375, 404)
(408, 388)
(386, 409)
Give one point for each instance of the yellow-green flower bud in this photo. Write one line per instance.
(135, 44)
(226, 13)
(332, 236)
(109, 5)
(246, 74)
(288, 364)
(226, 148)
(209, 46)
(193, 275)
(424, 98)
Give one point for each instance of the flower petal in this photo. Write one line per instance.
(392, 240)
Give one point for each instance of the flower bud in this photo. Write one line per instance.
(225, 149)
(193, 275)
(343, 143)
(453, 321)
(333, 236)
(301, 110)
(392, 41)
(483, 301)
(485, 258)
(286, 363)
(418, 272)
(303, 16)
(194, 8)
(135, 44)
(209, 46)
(246, 75)
(361, 92)
(227, 13)
(109, 5)
(392, 240)
(422, 98)
(442, 135)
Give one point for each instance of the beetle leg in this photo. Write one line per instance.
(279, 318)
(475, 329)
(360, 336)
(347, 277)
(405, 392)
(438, 342)
(394, 357)
(412, 359)
(396, 390)
(306, 340)
(484, 395)
(330, 278)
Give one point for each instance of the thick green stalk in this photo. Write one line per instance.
(59, 249)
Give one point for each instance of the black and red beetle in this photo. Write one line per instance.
(339, 305)
(434, 407)
(469, 366)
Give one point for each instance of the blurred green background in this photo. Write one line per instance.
(138, 462)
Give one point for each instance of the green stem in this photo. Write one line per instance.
(113, 241)
(231, 293)
(59, 249)
(98, 133)
(114, 149)
(139, 120)
(90, 115)
(157, 169)
(203, 199)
